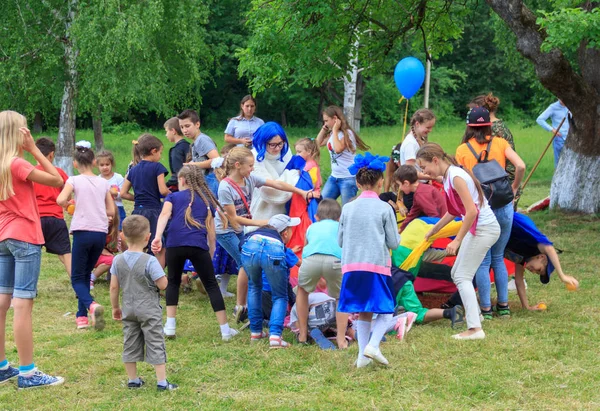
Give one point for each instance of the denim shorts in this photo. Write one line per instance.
(19, 268)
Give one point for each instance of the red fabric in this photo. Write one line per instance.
(46, 197)
(105, 259)
(19, 215)
(427, 201)
(298, 238)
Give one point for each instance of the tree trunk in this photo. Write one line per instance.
(37, 123)
(350, 80)
(66, 125)
(576, 182)
(360, 92)
(97, 126)
(283, 118)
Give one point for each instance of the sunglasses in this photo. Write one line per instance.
(275, 145)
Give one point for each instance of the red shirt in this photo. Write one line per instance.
(427, 201)
(46, 197)
(19, 216)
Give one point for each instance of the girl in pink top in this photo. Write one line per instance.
(89, 226)
(20, 244)
(309, 151)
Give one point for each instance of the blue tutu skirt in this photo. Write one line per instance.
(366, 292)
(223, 263)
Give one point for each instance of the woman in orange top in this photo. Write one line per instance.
(478, 135)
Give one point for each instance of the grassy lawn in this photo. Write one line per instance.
(536, 360)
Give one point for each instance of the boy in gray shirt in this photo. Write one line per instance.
(141, 277)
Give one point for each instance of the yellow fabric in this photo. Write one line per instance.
(451, 229)
(313, 175)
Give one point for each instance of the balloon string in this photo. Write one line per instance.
(405, 119)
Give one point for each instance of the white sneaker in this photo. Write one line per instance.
(376, 355)
(169, 331)
(363, 362)
(512, 285)
(227, 294)
(232, 333)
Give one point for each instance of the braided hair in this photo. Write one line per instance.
(194, 178)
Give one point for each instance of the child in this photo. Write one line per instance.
(204, 149)
(235, 194)
(141, 277)
(367, 232)
(89, 227)
(478, 233)
(21, 238)
(427, 200)
(106, 163)
(321, 257)
(108, 252)
(54, 227)
(178, 153)
(264, 250)
(147, 179)
(191, 235)
(307, 149)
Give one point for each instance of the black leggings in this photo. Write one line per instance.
(202, 263)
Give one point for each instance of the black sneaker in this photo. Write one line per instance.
(168, 387)
(503, 311)
(457, 316)
(134, 385)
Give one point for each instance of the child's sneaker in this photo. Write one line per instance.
(82, 323)
(227, 294)
(410, 320)
(97, 315)
(232, 333)
(457, 316)
(39, 380)
(91, 285)
(8, 374)
(199, 285)
(400, 328)
(169, 331)
(135, 385)
(240, 313)
(376, 355)
(168, 387)
(487, 315)
(503, 311)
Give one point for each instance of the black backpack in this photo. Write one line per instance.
(493, 179)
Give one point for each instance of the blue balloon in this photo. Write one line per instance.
(409, 76)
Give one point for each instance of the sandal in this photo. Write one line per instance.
(276, 341)
(254, 337)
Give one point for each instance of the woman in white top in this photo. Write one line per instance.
(479, 232)
(342, 142)
(240, 130)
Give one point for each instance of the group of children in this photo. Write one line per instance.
(207, 205)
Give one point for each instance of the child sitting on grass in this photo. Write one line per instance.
(141, 277)
(427, 200)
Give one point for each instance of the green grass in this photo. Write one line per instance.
(536, 360)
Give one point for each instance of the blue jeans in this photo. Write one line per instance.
(268, 255)
(122, 216)
(19, 268)
(231, 243)
(495, 259)
(87, 247)
(557, 145)
(336, 186)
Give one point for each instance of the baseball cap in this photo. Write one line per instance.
(281, 221)
(545, 278)
(478, 117)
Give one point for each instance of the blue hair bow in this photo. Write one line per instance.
(370, 161)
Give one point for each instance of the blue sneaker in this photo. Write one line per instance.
(8, 374)
(39, 380)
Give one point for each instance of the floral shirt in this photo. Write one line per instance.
(499, 129)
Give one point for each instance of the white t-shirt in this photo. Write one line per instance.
(408, 151)
(486, 215)
(117, 180)
(341, 161)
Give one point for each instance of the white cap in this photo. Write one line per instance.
(281, 221)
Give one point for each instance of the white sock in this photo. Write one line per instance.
(224, 283)
(92, 277)
(382, 323)
(225, 330)
(170, 322)
(363, 328)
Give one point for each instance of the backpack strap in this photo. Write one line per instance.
(237, 188)
(478, 156)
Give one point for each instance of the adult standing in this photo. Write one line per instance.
(342, 142)
(478, 137)
(499, 128)
(240, 130)
(556, 112)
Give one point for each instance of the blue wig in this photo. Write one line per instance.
(264, 134)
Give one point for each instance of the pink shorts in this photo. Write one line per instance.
(105, 259)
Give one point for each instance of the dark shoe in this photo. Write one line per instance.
(487, 315)
(38, 380)
(503, 311)
(134, 385)
(168, 387)
(8, 374)
(457, 316)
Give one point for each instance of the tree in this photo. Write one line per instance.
(564, 47)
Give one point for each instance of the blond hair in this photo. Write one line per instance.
(11, 141)
(194, 179)
(236, 155)
(311, 147)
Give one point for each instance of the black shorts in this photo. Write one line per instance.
(56, 236)
(152, 215)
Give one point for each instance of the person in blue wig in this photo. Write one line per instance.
(272, 154)
(530, 250)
